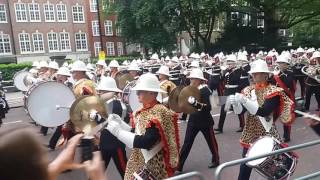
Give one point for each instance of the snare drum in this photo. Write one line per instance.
(279, 166)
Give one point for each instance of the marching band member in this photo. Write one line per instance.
(155, 139)
(245, 68)
(110, 146)
(114, 65)
(42, 75)
(285, 79)
(62, 77)
(165, 84)
(298, 75)
(200, 121)
(312, 85)
(100, 69)
(265, 104)
(134, 70)
(231, 77)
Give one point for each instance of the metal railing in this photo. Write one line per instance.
(244, 160)
(187, 176)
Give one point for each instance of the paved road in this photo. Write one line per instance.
(199, 157)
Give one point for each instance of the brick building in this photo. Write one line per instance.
(105, 35)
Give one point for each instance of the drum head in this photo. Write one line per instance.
(43, 102)
(18, 80)
(261, 146)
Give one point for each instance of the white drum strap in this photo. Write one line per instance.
(148, 154)
(265, 121)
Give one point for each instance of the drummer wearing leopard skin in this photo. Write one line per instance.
(155, 138)
(265, 104)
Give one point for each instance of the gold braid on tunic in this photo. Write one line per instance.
(253, 128)
(162, 165)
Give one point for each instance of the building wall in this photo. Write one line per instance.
(5, 29)
(45, 27)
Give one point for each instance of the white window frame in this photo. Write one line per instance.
(65, 42)
(3, 44)
(81, 41)
(93, 6)
(78, 14)
(49, 12)
(120, 49)
(108, 27)
(39, 42)
(95, 28)
(63, 13)
(4, 12)
(26, 42)
(36, 13)
(22, 12)
(110, 49)
(53, 41)
(118, 30)
(97, 48)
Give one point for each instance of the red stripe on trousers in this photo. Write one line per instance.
(121, 159)
(215, 145)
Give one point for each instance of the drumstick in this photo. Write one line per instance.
(58, 107)
(312, 116)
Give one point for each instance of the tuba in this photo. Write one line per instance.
(312, 72)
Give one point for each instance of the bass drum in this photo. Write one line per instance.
(44, 100)
(130, 97)
(19, 80)
(27, 94)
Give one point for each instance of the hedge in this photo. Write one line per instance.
(8, 70)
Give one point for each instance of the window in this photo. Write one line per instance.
(24, 41)
(65, 41)
(95, 28)
(21, 12)
(108, 28)
(97, 48)
(53, 43)
(118, 30)
(260, 20)
(120, 48)
(78, 14)
(110, 49)
(38, 42)
(191, 43)
(282, 32)
(62, 13)
(138, 48)
(3, 14)
(34, 12)
(93, 6)
(5, 46)
(49, 12)
(81, 41)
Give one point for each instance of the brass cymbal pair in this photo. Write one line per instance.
(178, 99)
(123, 79)
(80, 111)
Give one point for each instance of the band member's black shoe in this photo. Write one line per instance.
(218, 131)
(213, 164)
(240, 130)
(286, 140)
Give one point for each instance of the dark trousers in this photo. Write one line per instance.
(301, 80)
(119, 158)
(245, 171)
(191, 134)
(287, 132)
(223, 115)
(44, 130)
(55, 137)
(309, 91)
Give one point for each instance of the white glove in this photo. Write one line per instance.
(240, 98)
(117, 118)
(191, 100)
(250, 105)
(114, 128)
(94, 115)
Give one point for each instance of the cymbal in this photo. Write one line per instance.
(123, 80)
(184, 105)
(80, 110)
(173, 101)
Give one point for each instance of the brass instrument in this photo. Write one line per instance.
(312, 72)
(184, 94)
